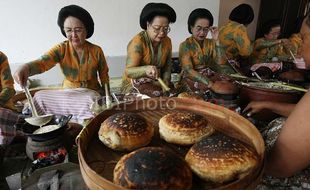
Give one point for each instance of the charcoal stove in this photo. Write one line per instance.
(45, 153)
(33, 148)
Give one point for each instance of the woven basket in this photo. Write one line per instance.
(97, 161)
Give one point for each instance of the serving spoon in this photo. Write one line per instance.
(165, 87)
(163, 84)
(36, 119)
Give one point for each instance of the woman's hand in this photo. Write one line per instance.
(210, 84)
(287, 44)
(151, 72)
(255, 107)
(285, 41)
(214, 33)
(21, 75)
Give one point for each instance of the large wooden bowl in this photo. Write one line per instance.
(97, 161)
(251, 93)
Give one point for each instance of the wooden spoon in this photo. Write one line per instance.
(163, 84)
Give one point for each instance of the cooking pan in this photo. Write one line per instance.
(28, 129)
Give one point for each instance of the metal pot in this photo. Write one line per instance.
(28, 129)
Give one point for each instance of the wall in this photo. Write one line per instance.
(29, 28)
(226, 6)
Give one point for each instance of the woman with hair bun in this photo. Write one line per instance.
(79, 59)
(234, 36)
(82, 63)
(270, 48)
(198, 54)
(149, 52)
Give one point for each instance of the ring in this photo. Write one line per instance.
(249, 114)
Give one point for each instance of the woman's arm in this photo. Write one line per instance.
(285, 49)
(291, 151)
(280, 108)
(167, 69)
(46, 62)
(263, 44)
(221, 60)
(187, 65)
(103, 68)
(7, 82)
(133, 62)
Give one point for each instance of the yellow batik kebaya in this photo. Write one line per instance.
(265, 50)
(192, 57)
(296, 43)
(6, 83)
(235, 40)
(140, 53)
(78, 72)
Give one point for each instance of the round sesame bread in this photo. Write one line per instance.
(184, 128)
(153, 168)
(220, 158)
(125, 131)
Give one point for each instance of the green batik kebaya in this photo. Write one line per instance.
(211, 56)
(235, 40)
(6, 83)
(78, 72)
(264, 50)
(140, 53)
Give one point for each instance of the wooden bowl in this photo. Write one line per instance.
(252, 93)
(293, 76)
(224, 87)
(97, 161)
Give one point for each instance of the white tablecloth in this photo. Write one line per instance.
(66, 101)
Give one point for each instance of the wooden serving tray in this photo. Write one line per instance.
(97, 161)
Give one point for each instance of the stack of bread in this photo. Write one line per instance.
(214, 157)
